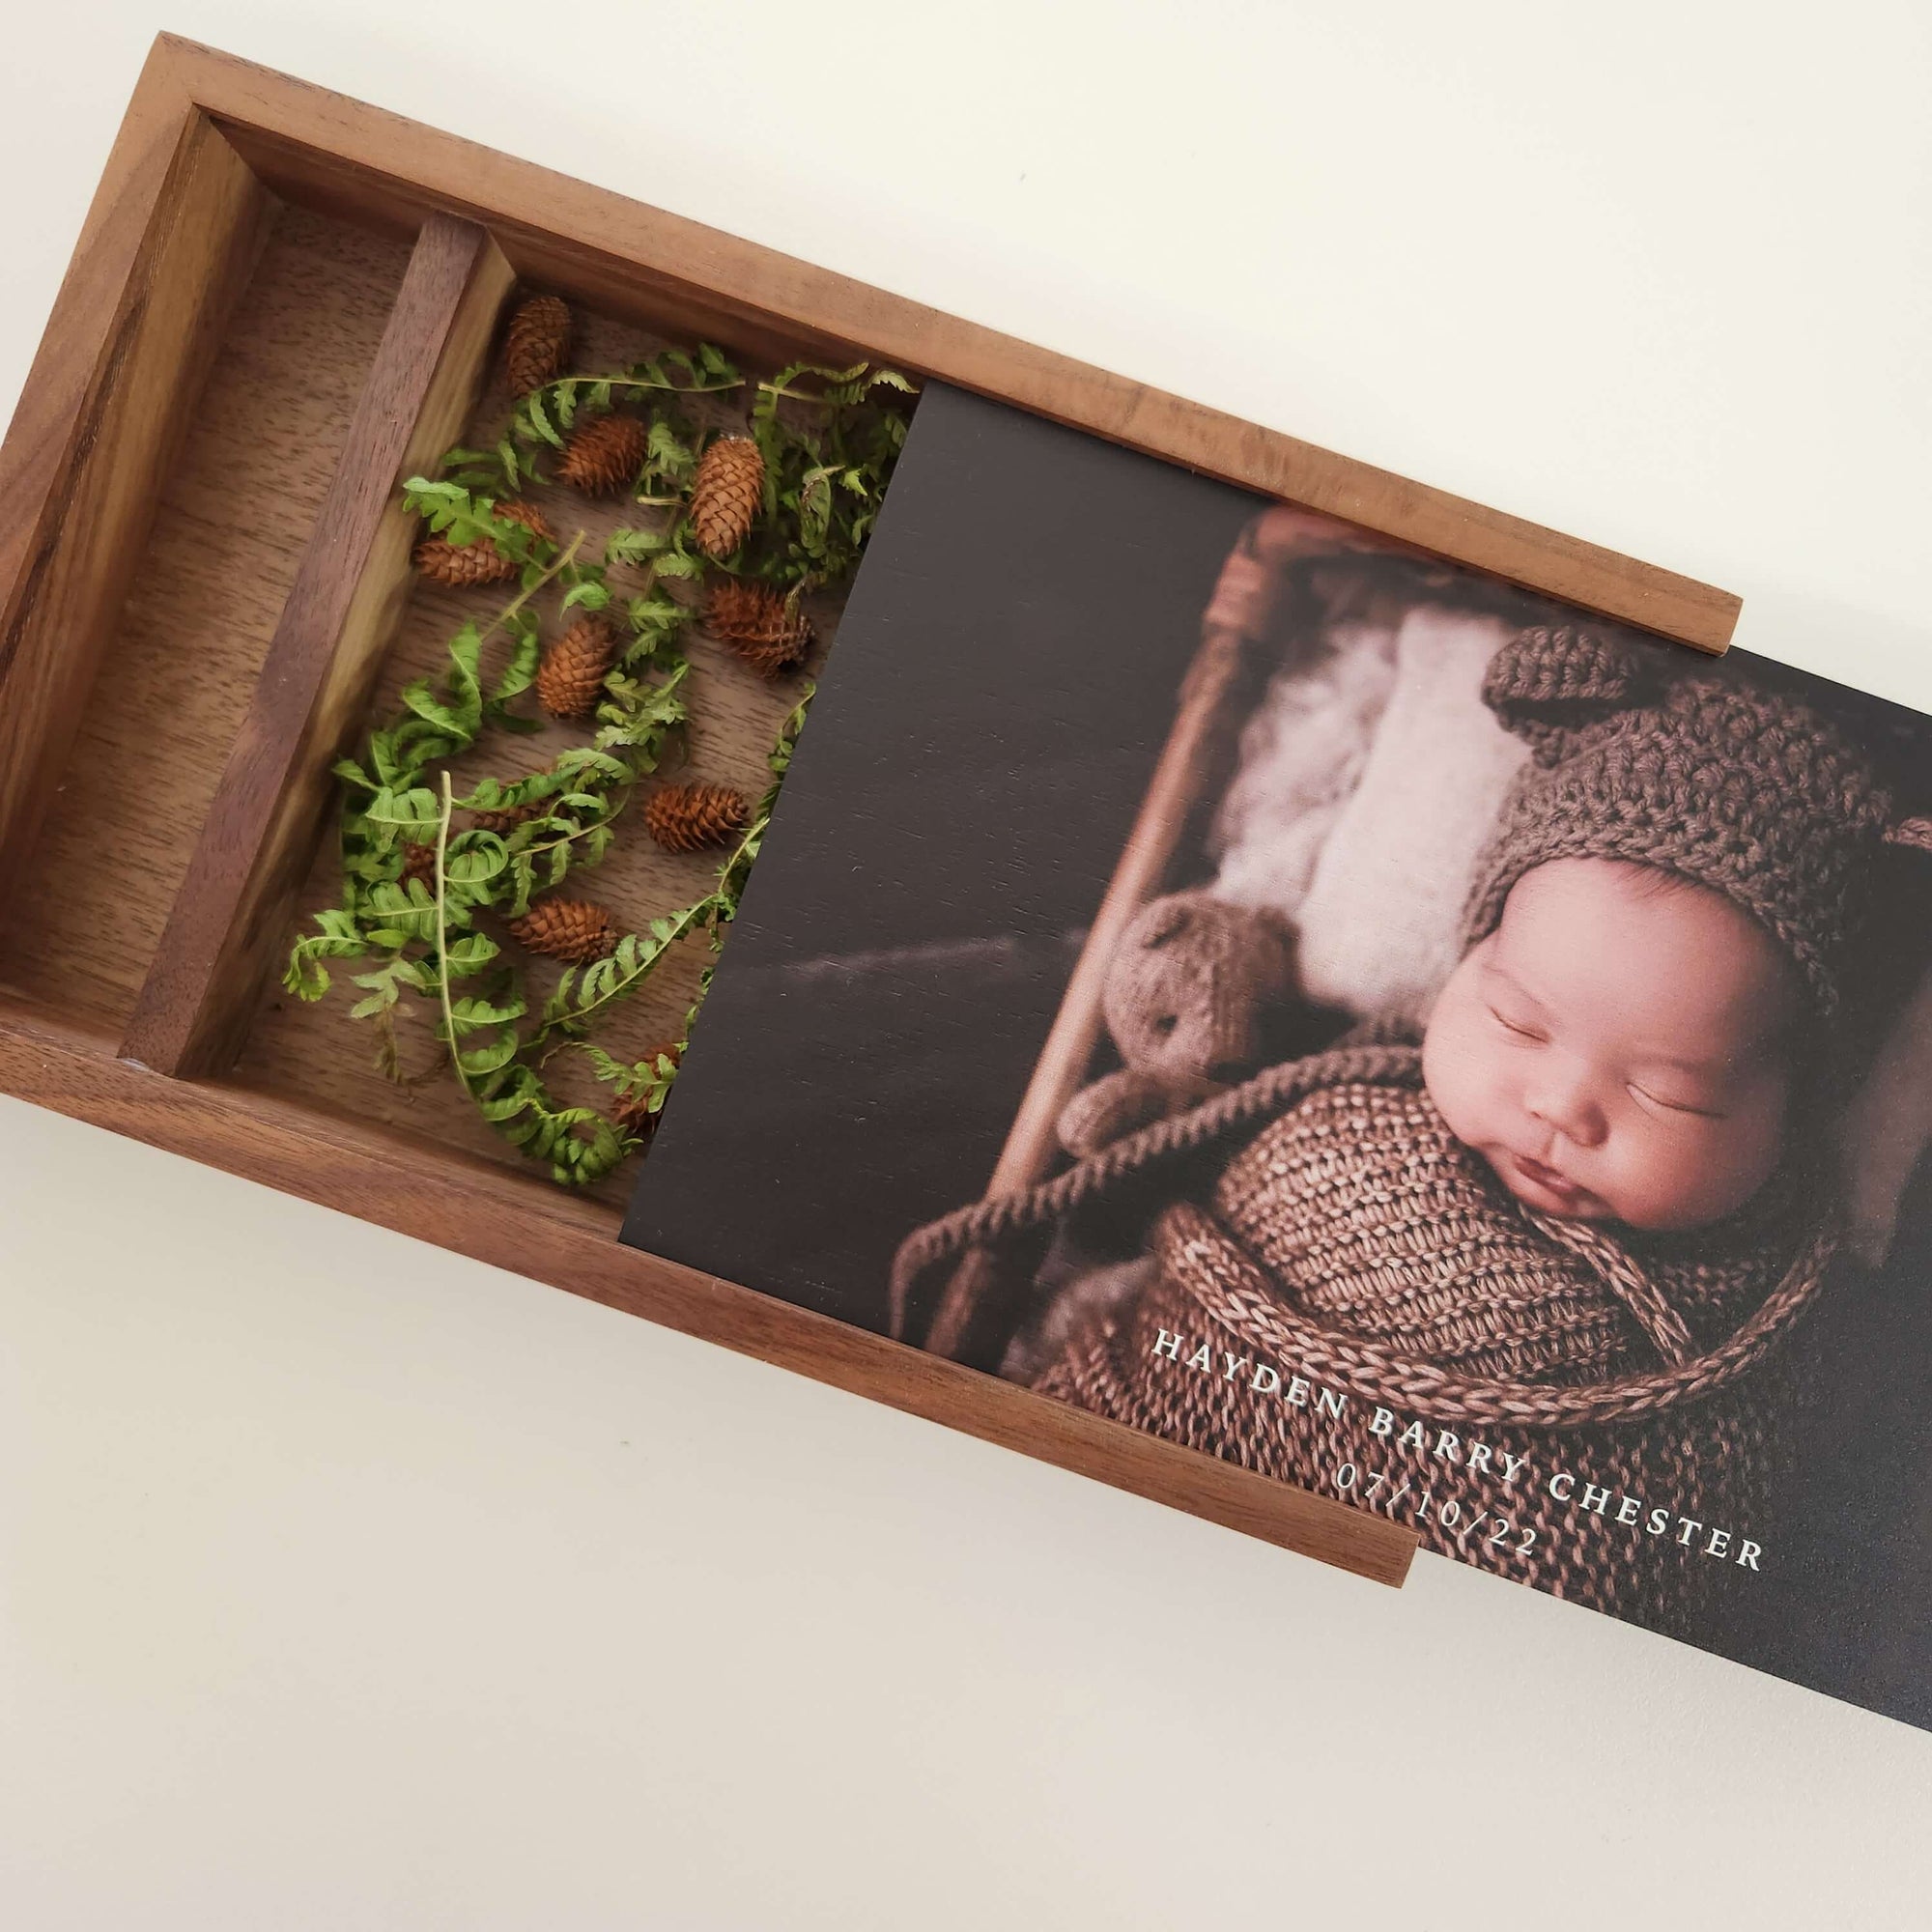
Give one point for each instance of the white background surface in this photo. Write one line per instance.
(345, 1583)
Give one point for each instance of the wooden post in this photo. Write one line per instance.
(975, 1309)
(971, 1317)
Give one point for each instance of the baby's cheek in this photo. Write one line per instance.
(1759, 1145)
(1677, 1181)
(1754, 1138)
(1656, 1179)
(1460, 1077)
(1441, 1073)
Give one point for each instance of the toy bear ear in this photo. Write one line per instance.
(1166, 918)
(1550, 681)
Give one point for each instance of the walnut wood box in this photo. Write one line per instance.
(283, 301)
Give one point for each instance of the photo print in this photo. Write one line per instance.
(1356, 1018)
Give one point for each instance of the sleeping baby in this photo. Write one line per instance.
(1579, 1225)
(1622, 1048)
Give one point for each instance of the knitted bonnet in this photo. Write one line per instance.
(1748, 793)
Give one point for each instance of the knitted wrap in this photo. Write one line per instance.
(1749, 794)
(1354, 1242)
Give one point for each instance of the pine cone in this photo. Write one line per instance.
(683, 817)
(630, 1111)
(482, 561)
(419, 863)
(537, 345)
(729, 490)
(573, 930)
(603, 456)
(757, 622)
(572, 673)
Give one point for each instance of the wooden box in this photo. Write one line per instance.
(282, 302)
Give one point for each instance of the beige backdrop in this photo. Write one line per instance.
(343, 1584)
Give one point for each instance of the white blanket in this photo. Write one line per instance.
(1367, 786)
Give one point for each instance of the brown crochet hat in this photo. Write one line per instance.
(1752, 795)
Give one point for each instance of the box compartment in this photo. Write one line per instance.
(271, 618)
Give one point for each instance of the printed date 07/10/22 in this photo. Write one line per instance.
(1378, 1490)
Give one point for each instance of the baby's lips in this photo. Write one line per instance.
(1552, 1180)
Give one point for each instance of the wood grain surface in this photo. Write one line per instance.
(629, 259)
(526, 1226)
(99, 422)
(233, 517)
(231, 916)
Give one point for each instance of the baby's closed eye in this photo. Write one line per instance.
(1675, 1104)
(1522, 1029)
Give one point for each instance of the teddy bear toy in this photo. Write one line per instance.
(1186, 999)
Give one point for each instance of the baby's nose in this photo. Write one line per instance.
(1564, 1102)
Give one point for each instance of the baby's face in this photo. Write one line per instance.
(1618, 1052)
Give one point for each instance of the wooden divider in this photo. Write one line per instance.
(231, 914)
(167, 246)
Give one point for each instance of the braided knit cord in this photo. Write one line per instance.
(1668, 1333)
(1000, 1217)
(1230, 1287)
